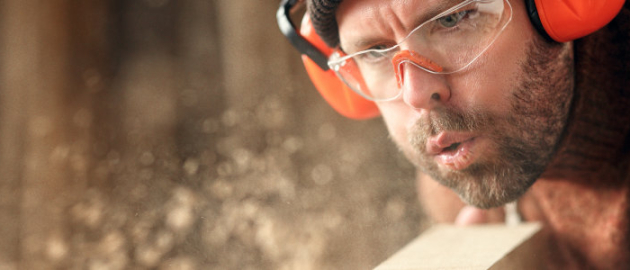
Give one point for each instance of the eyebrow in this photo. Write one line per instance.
(429, 13)
(434, 10)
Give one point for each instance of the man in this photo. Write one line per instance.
(488, 106)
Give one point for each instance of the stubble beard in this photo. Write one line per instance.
(523, 140)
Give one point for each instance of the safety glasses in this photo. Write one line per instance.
(448, 43)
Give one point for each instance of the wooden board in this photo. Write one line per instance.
(471, 247)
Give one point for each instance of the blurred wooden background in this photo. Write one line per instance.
(157, 134)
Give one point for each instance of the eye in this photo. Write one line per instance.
(453, 19)
(374, 53)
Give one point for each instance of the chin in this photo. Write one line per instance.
(486, 185)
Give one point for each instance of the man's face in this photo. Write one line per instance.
(486, 132)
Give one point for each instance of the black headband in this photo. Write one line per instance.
(322, 14)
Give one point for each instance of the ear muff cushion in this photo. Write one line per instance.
(567, 20)
(333, 90)
(338, 95)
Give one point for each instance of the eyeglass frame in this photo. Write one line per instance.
(338, 57)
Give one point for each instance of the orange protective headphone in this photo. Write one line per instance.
(559, 20)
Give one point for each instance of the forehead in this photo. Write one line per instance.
(360, 20)
(372, 7)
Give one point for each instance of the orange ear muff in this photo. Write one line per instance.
(335, 92)
(567, 20)
(315, 55)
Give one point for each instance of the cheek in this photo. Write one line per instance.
(492, 79)
(397, 118)
(487, 90)
(490, 82)
(481, 90)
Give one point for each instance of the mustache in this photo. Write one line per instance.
(448, 119)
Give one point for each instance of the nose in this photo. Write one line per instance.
(420, 88)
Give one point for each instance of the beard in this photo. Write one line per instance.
(523, 141)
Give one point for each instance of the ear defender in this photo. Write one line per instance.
(567, 20)
(315, 54)
(335, 92)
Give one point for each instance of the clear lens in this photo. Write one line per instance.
(453, 40)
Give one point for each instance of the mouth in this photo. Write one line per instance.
(453, 150)
(453, 147)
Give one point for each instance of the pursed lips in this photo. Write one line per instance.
(454, 150)
(446, 141)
